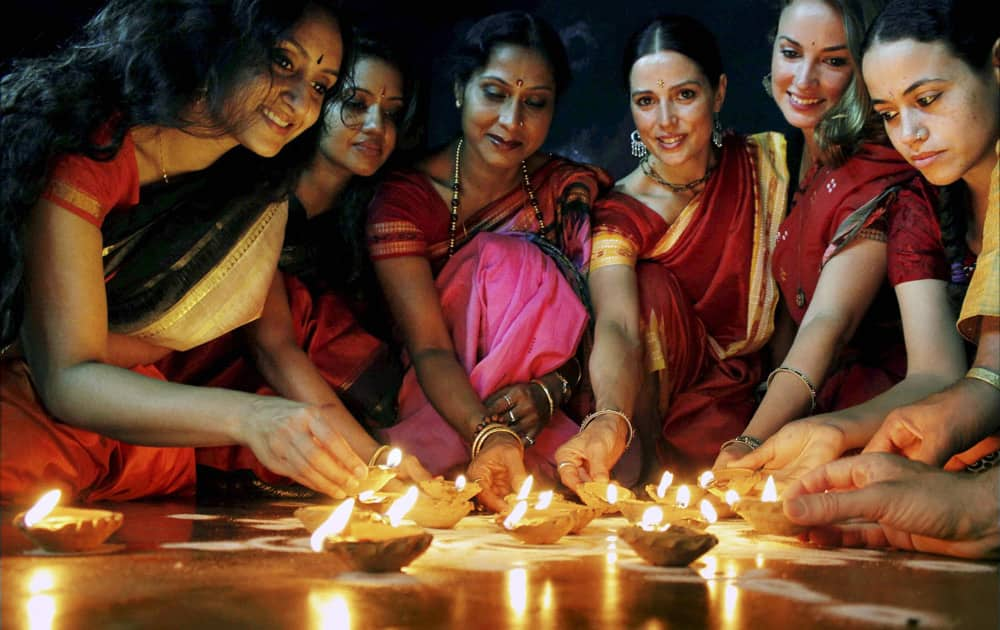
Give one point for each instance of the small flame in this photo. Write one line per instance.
(401, 506)
(333, 525)
(708, 511)
(706, 478)
(41, 509)
(612, 494)
(770, 492)
(544, 500)
(460, 483)
(732, 497)
(516, 515)
(394, 459)
(683, 496)
(522, 494)
(665, 481)
(652, 517)
(368, 496)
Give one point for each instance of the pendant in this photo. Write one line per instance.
(800, 298)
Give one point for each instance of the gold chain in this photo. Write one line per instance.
(163, 169)
(650, 172)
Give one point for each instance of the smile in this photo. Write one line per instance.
(803, 102)
(372, 148)
(505, 145)
(273, 116)
(670, 142)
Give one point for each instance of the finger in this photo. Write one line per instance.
(310, 460)
(515, 470)
(849, 535)
(415, 470)
(598, 470)
(490, 498)
(570, 474)
(757, 458)
(827, 508)
(334, 443)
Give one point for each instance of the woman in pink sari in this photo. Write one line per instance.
(491, 323)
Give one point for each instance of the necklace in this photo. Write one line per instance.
(650, 172)
(455, 199)
(163, 169)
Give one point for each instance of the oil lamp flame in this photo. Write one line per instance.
(651, 518)
(522, 494)
(706, 478)
(683, 496)
(732, 497)
(770, 492)
(401, 506)
(460, 483)
(544, 500)
(394, 459)
(41, 509)
(516, 515)
(708, 511)
(612, 494)
(333, 525)
(665, 481)
(368, 496)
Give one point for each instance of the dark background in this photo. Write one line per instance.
(592, 121)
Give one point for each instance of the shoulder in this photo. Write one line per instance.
(567, 171)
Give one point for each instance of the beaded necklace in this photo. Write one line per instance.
(650, 172)
(455, 199)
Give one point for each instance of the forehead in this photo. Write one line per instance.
(812, 22)
(375, 74)
(512, 62)
(890, 68)
(318, 32)
(668, 66)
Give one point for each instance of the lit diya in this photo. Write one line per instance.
(549, 500)
(381, 474)
(667, 545)
(687, 516)
(766, 514)
(603, 495)
(541, 525)
(740, 480)
(66, 529)
(442, 504)
(374, 543)
(666, 493)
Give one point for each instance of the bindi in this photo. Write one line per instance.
(660, 83)
(320, 60)
(519, 82)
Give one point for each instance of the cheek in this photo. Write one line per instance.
(836, 83)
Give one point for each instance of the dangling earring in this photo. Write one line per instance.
(766, 83)
(717, 131)
(635, 142)
(458, 103)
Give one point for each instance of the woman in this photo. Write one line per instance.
(103, 144)
(332, 297)
(862, 226)
(677, 340)
(488, 320)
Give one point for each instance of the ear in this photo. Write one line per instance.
(995, 57)
(720, 93)
(459, 90)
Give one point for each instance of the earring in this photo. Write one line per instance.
(717, 132)
(635, 143)
(766, 83)
(458, 103)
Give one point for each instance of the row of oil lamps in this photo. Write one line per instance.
(369, 532)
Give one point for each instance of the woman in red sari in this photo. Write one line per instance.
(679, 272)
(459, 243)
(860, 261)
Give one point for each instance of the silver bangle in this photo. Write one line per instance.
(802, 377)
(600, 412)
(745, 440)
(548, 396)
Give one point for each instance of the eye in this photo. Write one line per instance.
(927, 99)
(395, 115)
(644, 101)
(790, 53)
(536, 103)
(321, 88)
(280, 59)
(356, 105)
(687, 94)
(886, 115)
(838, 62)
(493, 93)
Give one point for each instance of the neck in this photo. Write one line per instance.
(687, 172)
(978, 180)
(482, 179)
(321, 184)
(175, 151)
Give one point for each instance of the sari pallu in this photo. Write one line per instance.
(706, 294)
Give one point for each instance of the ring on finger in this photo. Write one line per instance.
(513, 418)
(510, 403)
(561, 464)
(530, 441)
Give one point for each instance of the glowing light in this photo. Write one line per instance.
(40, 581)
(665, 481)
(41, 612)
(705, 478)
(525, 490)
(759, 560)
(516, 515)
(729, 598)
(732, 497)
(401, 506)
(460, 483)
(708, 511)
(770, 492)
(683, 496)
(368, 496)
(547, 596)
(333, 525)
(41, 509)
(394, 459)
(651, 518)
(711, 565)
(517, 590)
(544, 500)
(331, 611)
(612, 493)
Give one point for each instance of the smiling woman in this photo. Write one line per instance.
(137, 149)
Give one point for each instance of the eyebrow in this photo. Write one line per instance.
(305, 53)
(913, 86)
(672, 86)
(827, 49)
(493, 77)
(370, 93)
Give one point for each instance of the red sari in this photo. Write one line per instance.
(875, 194)
(511, 313)
(706, 293)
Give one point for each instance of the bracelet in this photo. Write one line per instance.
(985, 375)
(548, 396)
(564, 388)
(600, 412)
(746, 440)
(378, 453)
(802, 377)
(477, 444)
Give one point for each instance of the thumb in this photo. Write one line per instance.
(755, 459)
(827, 508)
(598, 470)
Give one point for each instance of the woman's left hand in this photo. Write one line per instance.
(525, 407)
(499, 469)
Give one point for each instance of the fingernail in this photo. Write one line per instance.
(338, 494)
(795, 508)
(353, 484)
(361, 472)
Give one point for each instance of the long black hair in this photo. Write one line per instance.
(678, 33)
(136, 62)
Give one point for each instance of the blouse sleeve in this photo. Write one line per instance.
(394, 228)
(90, 188)
(619, 235)
(915, 249)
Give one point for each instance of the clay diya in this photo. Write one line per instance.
(540, 527)
(599, 494)
(381, 474)
(374, 543)
(666, 546)
(666, 493)
(66, 529)
(693, 518)
(766, 514)
(740, 480)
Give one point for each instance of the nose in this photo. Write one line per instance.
(667, 116)
(374, 121)
(294, 92)
(911, 127)
(805, 73)
(510, 113)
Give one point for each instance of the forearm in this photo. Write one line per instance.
(616, 366)
(447, 387)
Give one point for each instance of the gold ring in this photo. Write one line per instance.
(561, 464)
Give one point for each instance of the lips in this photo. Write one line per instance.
(924, 159)
(276, 120)
(671, 142)
(369, 147)
(504, 145)
(801, 102)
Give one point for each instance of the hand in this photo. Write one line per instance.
(300, 441)
(592, 453)
(797, 448)
(526, 404)
(410, 469)
(905, 504)
(731, 453)
(499, 468)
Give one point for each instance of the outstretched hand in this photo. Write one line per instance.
(796, 449)
(524, 405)
(591, 454)
(499, 469)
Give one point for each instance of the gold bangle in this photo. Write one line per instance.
(802, 377)
(477, 444)
(564, 388)
(378, 453)
(985, 375)
(548, 396)
(600, 412)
